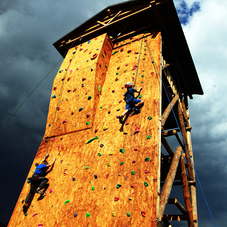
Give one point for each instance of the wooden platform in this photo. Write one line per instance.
(94, 188)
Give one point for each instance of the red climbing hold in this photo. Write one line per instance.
(133, 78)
(136, 52)
(126, 65)
(121, 49)
(96, 130)
(88, 115)
(51, 190)
(76, 47)
(85, 50)
(132, 186)
(134, 67)
(62, 79)
(129, 51)
(113, 91)
(137, 130)
(34, 214)
(146, 171)
(81, 49)
(116, 199)
(94, 56)
(133, 161)
(152, 73)
(74, 89)
(58, 108)
(143, 213)
(68, 78)
(71, 71)
(70, 60)
(120, 101)
(116, 79)
(40, 225)
(109, 112)
(68, 90)
(118, 68)
(72, 113)
(64, 121)
(83, 79)
(55, 88)
(107, 174)
(135, 149)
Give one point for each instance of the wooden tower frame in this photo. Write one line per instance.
(157, 24)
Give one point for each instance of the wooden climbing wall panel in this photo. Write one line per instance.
(119, 164)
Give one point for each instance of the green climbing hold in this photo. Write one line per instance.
(87, 167)
(87, 215)
(122, 150)
(114, 52)
(145, 49)
(89, 97)
(67, 201)
(142, 76)
(147, 159)
(87, 123)
(99, 154)
(133, 172)
(100, 107)
(143, 58)
(149, 118)
(117, 73)
(148, 137)
(103, 55)
(128, 214)
(118, 186)
(146, 184)
(106, 66)
(100, 89)
(96, 137)
(152, 61)
(140, 96)
(121, 163)
(92, 188)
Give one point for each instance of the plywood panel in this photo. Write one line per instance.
(73, 154)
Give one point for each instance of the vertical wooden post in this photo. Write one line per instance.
(186, 194)
(169, 181)
(183, 130)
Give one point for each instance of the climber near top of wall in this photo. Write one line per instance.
(132, 104)
(39, 180)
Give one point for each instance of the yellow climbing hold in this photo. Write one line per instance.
(111, 152)
(125, 132)
(109, 164)
(113, 214)
(105, 128)
(130, 198)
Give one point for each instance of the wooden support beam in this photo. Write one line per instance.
(179, 140)
(172, 132)
(167, 147)
(166, 66)
(183, 130)
(186, 194)
(169, 181)
(184, 111)
(99, 22)
(169, 109)
(177, 204)
(175, 217)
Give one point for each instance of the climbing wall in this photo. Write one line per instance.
(105, 173)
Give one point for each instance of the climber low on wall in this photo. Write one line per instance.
(38, 181)
(132, 104)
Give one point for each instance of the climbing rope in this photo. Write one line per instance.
(181, 135)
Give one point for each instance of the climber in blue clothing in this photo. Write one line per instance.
(132, 103)
(38, 178)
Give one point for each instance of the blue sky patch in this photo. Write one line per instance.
(184, 12)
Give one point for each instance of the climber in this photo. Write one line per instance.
(38, 178)
(132, 104)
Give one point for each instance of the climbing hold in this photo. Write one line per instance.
(148, 137)
(109, 164)
(121, 163)
(109, 112)
(100, 90)
(146, 184)
(130, 198)
(137, 130)
(64, 121)
(96, 137)
(88, 114)
(118, 186)
(134, 67)
(104, 187)
(99, 154)
(105, 128)
(122, 150)
(149, 118)
(68, 90)
(101, 145)
(62, 79)
(132, 186)
(92, 69)
(143, 213)
(80, 49)
(87, 215)
(133, 172)
(74, 89)
(114, 52)
(61, 71)
(113, 91)
(107, 174)
(95, 176)
(34, 214)
(39, 225)
(87, 123)
(125, 132)
(118, 68)
(117, 73)
(96, 130)
(88, 41)
(101, 107)
(129, 51)
(118, 109)
(89, 97)
(55, 88)
(146, 171)
(92, 188)
(82, 85)
(147, 159)
(70, 71)
(111, 152)
(87, 167)
(120, 101)
(136, 52)
(72, 113)
(83, 79)
(74, 52)
(75, 215)
(152, 61)
(140, 96)
(51, 190)
(113, 214)
(94, 56)
(67, 201)
(68, 78)
(116, 79)
(106, 66)
(81, 108)
(53, 96)
(128, 214)
(73, 179)
(116, 199)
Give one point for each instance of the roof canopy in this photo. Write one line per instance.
(129, 18)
